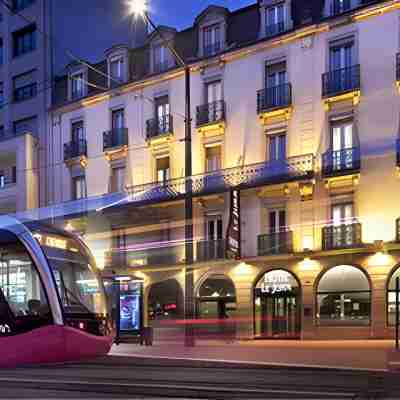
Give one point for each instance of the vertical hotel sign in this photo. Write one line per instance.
(233, 232)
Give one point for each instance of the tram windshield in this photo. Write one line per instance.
(77, 282)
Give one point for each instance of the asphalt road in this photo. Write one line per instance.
(127, 377)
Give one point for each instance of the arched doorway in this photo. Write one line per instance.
(216, 307)
(165, 301)
(344, 297)
(277, 308)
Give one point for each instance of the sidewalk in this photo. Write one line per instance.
(333, 354)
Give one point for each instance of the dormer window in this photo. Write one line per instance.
(161, 58)
(212, 40)
(275, 19)
(77, 85)
(116, 68)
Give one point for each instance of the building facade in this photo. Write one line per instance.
(295, 115)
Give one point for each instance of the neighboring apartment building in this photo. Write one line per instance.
(27, 55)
(295, 105)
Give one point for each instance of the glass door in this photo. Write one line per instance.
(342, 146)
(342, 218)
(214, 96)
(162, 114)
(341, 59)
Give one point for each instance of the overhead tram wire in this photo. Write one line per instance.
(53, 42)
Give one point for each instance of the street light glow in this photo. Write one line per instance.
(138, 7)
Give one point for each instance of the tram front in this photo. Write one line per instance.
(51, 295)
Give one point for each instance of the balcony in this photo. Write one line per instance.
(75, 150)
(341, 162)
(275, 243)
(243, 177)
(209, 250)
(115, 138)
(275, 29)
(274, 98)
(156, 255)
(345, 236)
(212, 49)
(342, 84)
(211, 116)
(159, 127)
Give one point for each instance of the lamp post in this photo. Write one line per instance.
(139, 8)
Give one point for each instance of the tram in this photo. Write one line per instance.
(52, 300)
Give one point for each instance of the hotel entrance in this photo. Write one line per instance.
(277, 308)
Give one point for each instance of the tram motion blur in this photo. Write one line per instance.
(51, 294)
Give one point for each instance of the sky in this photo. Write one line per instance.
(88, 31)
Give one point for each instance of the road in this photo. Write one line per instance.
(135, 378)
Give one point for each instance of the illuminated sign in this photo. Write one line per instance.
(51, 241)
(233, 232)
(5, 329)
(276, 283)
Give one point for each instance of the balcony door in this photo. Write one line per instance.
(277, 148)
(78, 134)
(212, 40)
(341, 59)
(162, 114)
(342, 146)
(213, 245)
(118, 179)
(213, 98)
(163, 170)
(276, 78)
(213, 158)
(342, 219)
(275, 18)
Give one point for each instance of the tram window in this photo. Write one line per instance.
(23, 302)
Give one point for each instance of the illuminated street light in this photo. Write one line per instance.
(138, 7)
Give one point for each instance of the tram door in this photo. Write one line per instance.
(277, 308)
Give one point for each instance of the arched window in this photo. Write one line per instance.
(391, 297)
(344, 297)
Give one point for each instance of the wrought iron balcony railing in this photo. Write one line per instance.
(274, 97)
(212, 49)
(275, 29)
(115, 138)
(275, 243)
(157, 255)
(210, 113)
(159, 126)
(75, 149)
(343, 236)
(339, 7)
(341, 162)
(341, 81)
(398, 67)
(208, 250)
(244, 177)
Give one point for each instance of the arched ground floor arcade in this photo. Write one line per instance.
(329, 296)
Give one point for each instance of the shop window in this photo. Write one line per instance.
(391, 298)
(23, 302)
(165, 301)
(277, 312)
(344, 297)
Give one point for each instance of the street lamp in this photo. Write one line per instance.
(140, 8)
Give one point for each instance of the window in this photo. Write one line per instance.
(343, 154)
(340, 6)
(79, 187)
(23, 301)
(163, 169)
(24, 40)
(116, 69)
(1, 52)
(118, 179)
(344, 297)
(78, 133)
(342, 214)
(277, 91)
(1, 94)
(277, 221)
(277, 147)
(162, 114)
(213, 158)
(214, 227)
(212, 40)
(25, 86)
(391, 298)
(341, 55)
(19, 5)
(25, 125)
(77, 85)
(117, 119)
(160, 59)
(275, 19)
